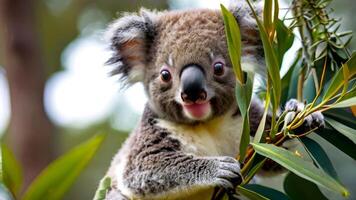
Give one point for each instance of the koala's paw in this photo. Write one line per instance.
(313, 120)
(227, 174)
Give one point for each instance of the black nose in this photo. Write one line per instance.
(193, 84)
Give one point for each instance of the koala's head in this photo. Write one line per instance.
(181, 57)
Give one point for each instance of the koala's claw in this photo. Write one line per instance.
(317, 120)
(314, 120)
(227, 173)
(294, 105)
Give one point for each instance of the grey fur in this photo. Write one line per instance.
(159, 161)
(130, 28)
(157, 165)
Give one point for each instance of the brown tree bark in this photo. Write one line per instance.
(30, 130)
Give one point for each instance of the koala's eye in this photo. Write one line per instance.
(165, 75)
(218, 68)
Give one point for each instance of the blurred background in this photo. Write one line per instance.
(55, 90)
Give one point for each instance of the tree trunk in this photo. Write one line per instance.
(30, 130)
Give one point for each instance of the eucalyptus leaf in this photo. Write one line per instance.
(288, 78)
(298, 188)
(233, 36)
(243, 93)
(266, 191)
(349, 94)
(309, 90)
(293, 84)
(261, 126)
(300, 167)
(319, 156)
(338, 140)
(103, 188)
(335, 84)
(243, 96)
(343, 129)
(275, 12)
(12, 172)
(267, 16)
(273, 65)
(57, 178)
(346, 103)
(346, 74)
(338, 80)
(285, 39)
(342, 115)
(252, 195)
(245, 138)
(258, 163)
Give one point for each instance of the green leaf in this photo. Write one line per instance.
(57, 178)
(338, 140)
(285, 39)
(267, 16)
(342, 115)
(270, 16)
(343, 129)
(346, 75)
(351, 63)
(233, 36)
(103, 188)
(276, 12)
(261, 126)
(319, 156)
(309, 90)
(258, 162)
(300, 167)
(346, 103)
(245, 138)
(266, 191)
(338, 80)
(1, 168)
(12, 171)
(349, 94)
(293, 84)
(287, 84)
(299, 188)
(252, 195)
(273, 65)
(243, 96)
(335, 84)
(243, 93)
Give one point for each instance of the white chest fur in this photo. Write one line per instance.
(218, 137)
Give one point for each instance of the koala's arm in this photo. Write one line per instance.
(157, 167)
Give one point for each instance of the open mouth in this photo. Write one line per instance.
(197, 111)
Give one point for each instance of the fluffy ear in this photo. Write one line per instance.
(130, 37)
(252, 48)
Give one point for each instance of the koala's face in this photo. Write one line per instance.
(189, 77)
(182, 59)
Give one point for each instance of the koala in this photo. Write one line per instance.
(185, 143)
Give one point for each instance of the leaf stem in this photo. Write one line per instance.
(301, 84)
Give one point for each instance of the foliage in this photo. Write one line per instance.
(56, 178)
(324, 73)
(11, 171)
(103, 188)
